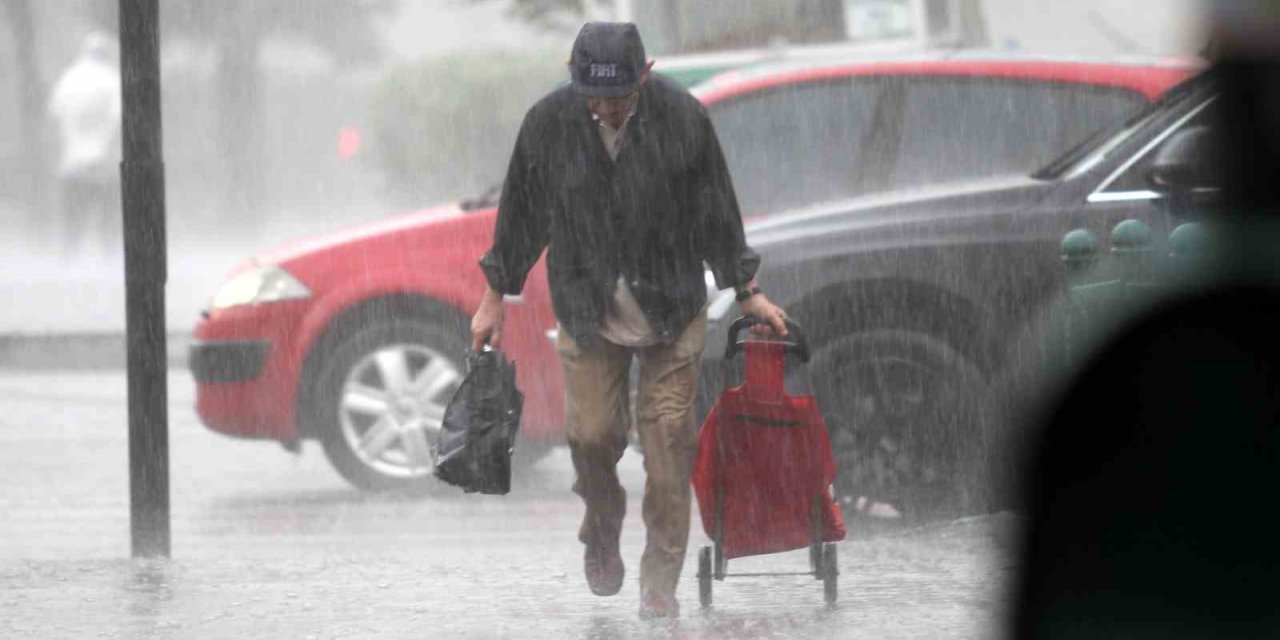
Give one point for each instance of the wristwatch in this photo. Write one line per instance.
(744, 294)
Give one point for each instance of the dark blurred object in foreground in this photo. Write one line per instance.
(480, 424)
(1150, 486)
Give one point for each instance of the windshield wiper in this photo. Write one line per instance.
(1072, 155)
(486, 200)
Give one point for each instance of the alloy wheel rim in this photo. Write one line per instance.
(392, 406)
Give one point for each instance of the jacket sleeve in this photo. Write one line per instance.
(724, 244)
(521, 231)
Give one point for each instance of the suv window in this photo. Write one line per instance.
(802, 144)
(964, 128)
(798, 144)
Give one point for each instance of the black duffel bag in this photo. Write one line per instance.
(480, 425)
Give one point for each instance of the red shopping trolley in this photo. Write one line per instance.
(764, 469)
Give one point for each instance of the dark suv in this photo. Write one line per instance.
(914, 300)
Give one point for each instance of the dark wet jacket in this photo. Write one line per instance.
(654, 216)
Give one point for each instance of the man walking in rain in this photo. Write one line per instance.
(620, 177)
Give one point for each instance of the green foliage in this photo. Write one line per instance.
(444, 128)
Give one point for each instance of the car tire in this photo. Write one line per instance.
(380, 399)
(908, 422)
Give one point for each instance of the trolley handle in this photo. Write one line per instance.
(800, 346)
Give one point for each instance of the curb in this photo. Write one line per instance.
(78, 351)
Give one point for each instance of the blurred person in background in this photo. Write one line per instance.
(86, 107)
(620, 176)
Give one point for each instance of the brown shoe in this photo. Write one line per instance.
(655, 605)
(604, 568)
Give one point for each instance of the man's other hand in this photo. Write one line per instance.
(486, 325)
(760, 307)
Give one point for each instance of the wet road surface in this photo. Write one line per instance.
(272, 545)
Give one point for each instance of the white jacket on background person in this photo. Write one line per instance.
(86, 107)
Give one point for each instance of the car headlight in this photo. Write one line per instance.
(258, 285)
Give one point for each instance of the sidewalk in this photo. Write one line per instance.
(48, 293)
(77, 351)
(67, 309)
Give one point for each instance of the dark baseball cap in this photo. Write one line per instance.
(607, 59)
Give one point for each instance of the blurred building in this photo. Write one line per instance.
(1081, 27)
(312, 124)
(311, 108)
(29, 63)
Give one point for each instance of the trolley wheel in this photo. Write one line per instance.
(719, 562)
(830, 572)
(704, 577)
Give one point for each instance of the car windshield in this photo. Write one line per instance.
(1097, 146)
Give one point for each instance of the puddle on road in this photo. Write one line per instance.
(938, 581)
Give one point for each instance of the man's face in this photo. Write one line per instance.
(613, 110)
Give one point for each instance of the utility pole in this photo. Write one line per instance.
(143, 202)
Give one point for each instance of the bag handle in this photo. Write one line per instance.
(800, 346)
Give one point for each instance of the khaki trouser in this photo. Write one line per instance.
(598, 417)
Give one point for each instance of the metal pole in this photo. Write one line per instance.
(142, 178)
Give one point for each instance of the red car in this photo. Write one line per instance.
(357, 338)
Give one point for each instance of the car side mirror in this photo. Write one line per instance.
(1186, 165)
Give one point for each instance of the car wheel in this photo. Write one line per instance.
(906, 417)
(381, 400)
